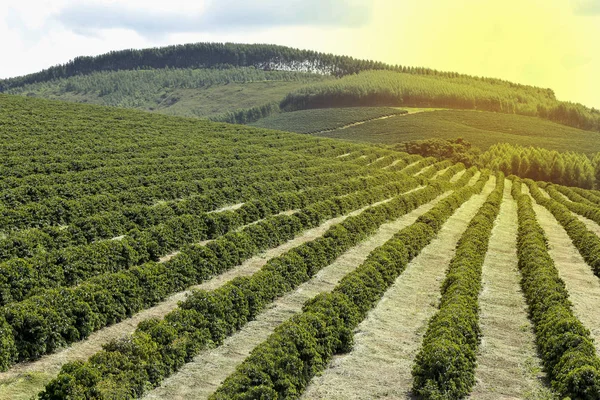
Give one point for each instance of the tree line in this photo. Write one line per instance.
(569, 169)
(390, 88)
(226, 55)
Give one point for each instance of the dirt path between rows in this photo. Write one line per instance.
(387, 341)
(24, 380)
(507, 364)
(200, 378)
(583, 286)
(589, 224)
(411, 111)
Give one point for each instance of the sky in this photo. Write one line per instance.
(547, 43)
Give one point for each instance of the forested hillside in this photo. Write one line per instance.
(387, 88)
(187, 92)
(356, 83)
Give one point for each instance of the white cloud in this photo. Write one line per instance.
(546, 43)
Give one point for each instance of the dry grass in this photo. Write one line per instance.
(457, 176)
(205, 242)
(423, 170)
(392, 164)
(508, 347)
(200, 378)
(440, 172)
(583, 286)
(17, 383)
(379, 159)
(231, 207)
(589, 224)
(387, 341)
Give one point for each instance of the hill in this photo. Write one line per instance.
(144, 255)
(186, 92)
(482, 129)
(356, 83)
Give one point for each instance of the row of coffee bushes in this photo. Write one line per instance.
(196, 170)
(19, 278)
(28, 242)
(586, 241)
(211, 316)
(283, 365)
(445, 366)
(59, 210)
(564, 344)
(592, 196)
(466, 177)
(193, 175)
(57, 317)
(416, 166)
(447, 175)
(574, 195)
(434, 169)
(391, 161)
(161, 161)
(583, 208)
(18, 162)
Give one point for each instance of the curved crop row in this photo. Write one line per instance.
(196, 170)
(283, 365)
(435, 168)
(29, 242)
(208, 317)
(564, 344)
(57, 317)
(445, 365)
(450, 172)
(590, 195)
(58, 210)
(575, 196)
(418, 165)
(586, 241)
(585, 209)
(67, 267)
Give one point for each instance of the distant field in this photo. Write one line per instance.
(319, 120)
(483, 129)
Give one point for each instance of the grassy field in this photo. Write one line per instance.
(482, 129)
(153, 256)
(324, 119)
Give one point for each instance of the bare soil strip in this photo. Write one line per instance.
(392, 164)
(440, 172)
(24, 379)
(583, 286)
(589, 224)
(231, 207)
(410, 111)
(508, 366)
(200, 378)
(339, 128)
(205, 242)
(423, 170)
(458, 175)
(387, 341)
(379, 159)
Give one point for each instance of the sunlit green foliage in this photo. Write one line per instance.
(388, 88)
(571, 169)
(312, 121)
